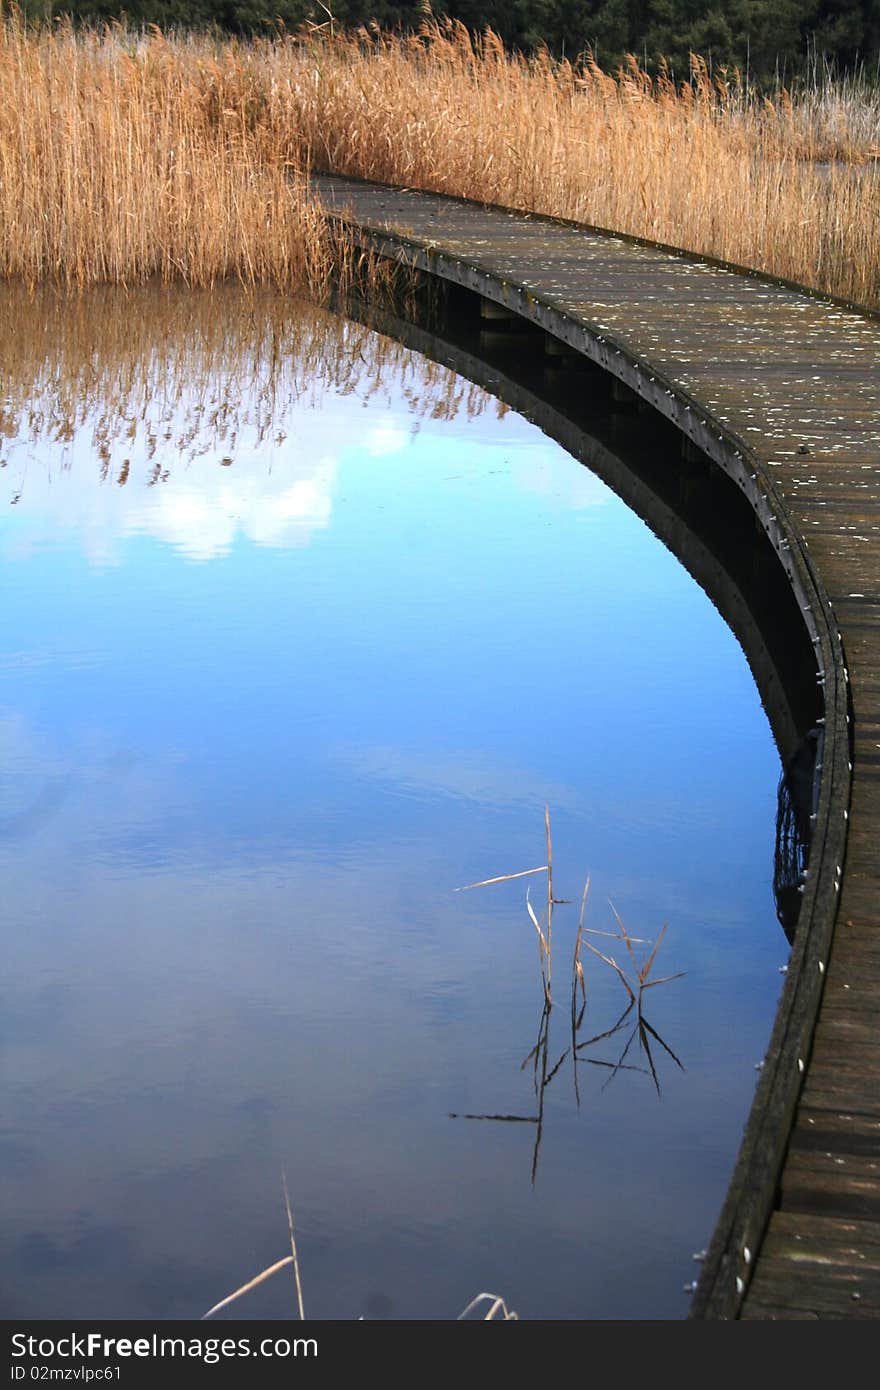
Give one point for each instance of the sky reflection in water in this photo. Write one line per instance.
(294, 645)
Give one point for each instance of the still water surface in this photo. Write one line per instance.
(300, 633)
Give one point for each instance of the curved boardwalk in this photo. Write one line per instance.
(782, 391)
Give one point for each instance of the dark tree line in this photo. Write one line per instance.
(763, 36)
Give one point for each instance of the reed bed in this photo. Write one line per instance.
(127, 156)
(123, 160)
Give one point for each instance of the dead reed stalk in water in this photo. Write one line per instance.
(251, 1284)
(497, 1306)
(635, 987)
(299, 1296)
(544, 925)
(578, 979)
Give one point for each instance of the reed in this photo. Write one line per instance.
(293, 1254)
(124, 159)
(578, 979)
(496, 1307)
(128, 156)
(635, 986)
(543, 925)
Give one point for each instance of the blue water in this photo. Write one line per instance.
(319, 654)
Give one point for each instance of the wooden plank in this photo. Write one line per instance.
(814, 1290)
(824, 1133)
(840, 1231)
(829, 1053)
(830, 1194)
(834, 1164)
(824, 1093)
(855, 1265)
(756, 1311)
(863, 1002)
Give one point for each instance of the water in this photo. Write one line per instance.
(300, 634)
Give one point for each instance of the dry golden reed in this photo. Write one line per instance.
(124, 157)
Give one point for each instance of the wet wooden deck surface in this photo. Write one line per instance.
(783, 390)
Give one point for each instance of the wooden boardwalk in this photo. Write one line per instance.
(782, 391)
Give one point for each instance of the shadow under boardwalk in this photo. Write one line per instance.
(780, 389)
